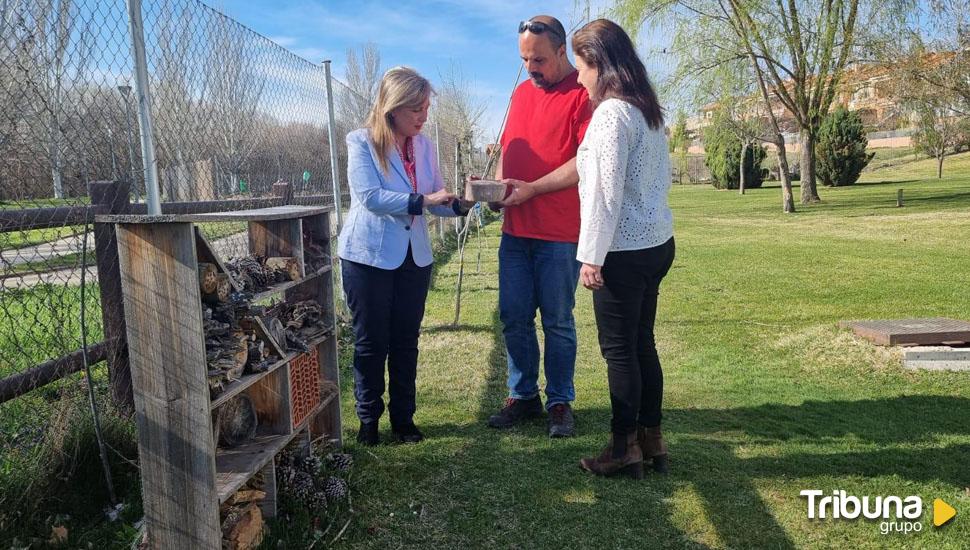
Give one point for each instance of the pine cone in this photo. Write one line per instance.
(335, 488)
(311, 464)
(285, 475)
(317, 501)
(302, 487)
(340, 462)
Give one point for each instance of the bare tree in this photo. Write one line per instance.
(56, 52)
(457, 110)
(179, 90)
(933, 56)
(710, 50)
(235, 92)
(932, 60)
(363, 79)
(798, 49)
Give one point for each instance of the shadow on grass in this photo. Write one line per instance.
(880, 182)
(531, 486)
(461, 327)
(468, 485)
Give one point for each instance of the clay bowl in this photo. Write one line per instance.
(487, 190)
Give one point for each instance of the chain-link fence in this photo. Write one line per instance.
(233, 113)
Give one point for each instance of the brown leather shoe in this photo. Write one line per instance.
(630, 463)
(653, 448)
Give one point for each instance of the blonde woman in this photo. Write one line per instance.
(385, 248)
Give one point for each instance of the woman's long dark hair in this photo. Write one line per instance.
(604, 45)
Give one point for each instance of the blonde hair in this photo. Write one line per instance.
(400, 87)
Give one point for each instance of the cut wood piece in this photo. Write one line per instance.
(160, 280)
(207, 278)
(244, 496)
(242, 354)
(267, 335)
(243, 529)
(223, 287)
(237, 421)
(222, 292)
(288, 265)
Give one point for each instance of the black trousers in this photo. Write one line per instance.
(626, 308)
(387, 308)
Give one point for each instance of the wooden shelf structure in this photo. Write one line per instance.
(185, 475)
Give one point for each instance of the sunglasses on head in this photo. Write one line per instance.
(538, 27)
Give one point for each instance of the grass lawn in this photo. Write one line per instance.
(32, 237)
(765, 397)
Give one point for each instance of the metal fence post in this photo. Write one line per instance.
(331, 133)
(137, 31)
(457, 179)
(334, 172)
(437, 150)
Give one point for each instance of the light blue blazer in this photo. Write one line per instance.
(378, 228)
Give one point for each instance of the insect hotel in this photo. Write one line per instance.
(231, 359)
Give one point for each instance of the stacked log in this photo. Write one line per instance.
(242, 527)
(214, 286)
(237, 421)
(232, 345)
(226, 349)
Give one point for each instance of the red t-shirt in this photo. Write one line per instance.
(543, 131)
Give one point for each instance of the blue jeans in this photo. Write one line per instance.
(536, 274)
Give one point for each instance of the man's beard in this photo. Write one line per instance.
(540, 81)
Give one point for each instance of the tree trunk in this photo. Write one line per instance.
(58, 182)
(939, 165)
(741, 171)
(787, 197)
(55, 158)
(809, 192)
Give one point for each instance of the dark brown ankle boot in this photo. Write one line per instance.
(653, 448)
(629, 462)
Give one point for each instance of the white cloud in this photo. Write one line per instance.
(285, 41)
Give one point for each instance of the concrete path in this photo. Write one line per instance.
(43, 251)
(233, 245)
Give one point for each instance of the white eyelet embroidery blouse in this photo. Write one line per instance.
(624, 178)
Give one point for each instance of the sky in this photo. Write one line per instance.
(478, 36)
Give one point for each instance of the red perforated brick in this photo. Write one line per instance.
(304, 386)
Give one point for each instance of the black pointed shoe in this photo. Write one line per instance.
(368, 435)
(408, 433)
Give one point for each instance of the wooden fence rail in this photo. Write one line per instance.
(111, 197)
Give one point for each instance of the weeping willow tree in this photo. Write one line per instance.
(798, 52)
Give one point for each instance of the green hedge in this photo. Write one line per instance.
(840, 152)
(722, 156)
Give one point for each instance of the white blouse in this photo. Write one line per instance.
(624, 178)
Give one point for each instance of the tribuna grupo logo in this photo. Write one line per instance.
(898, 514)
